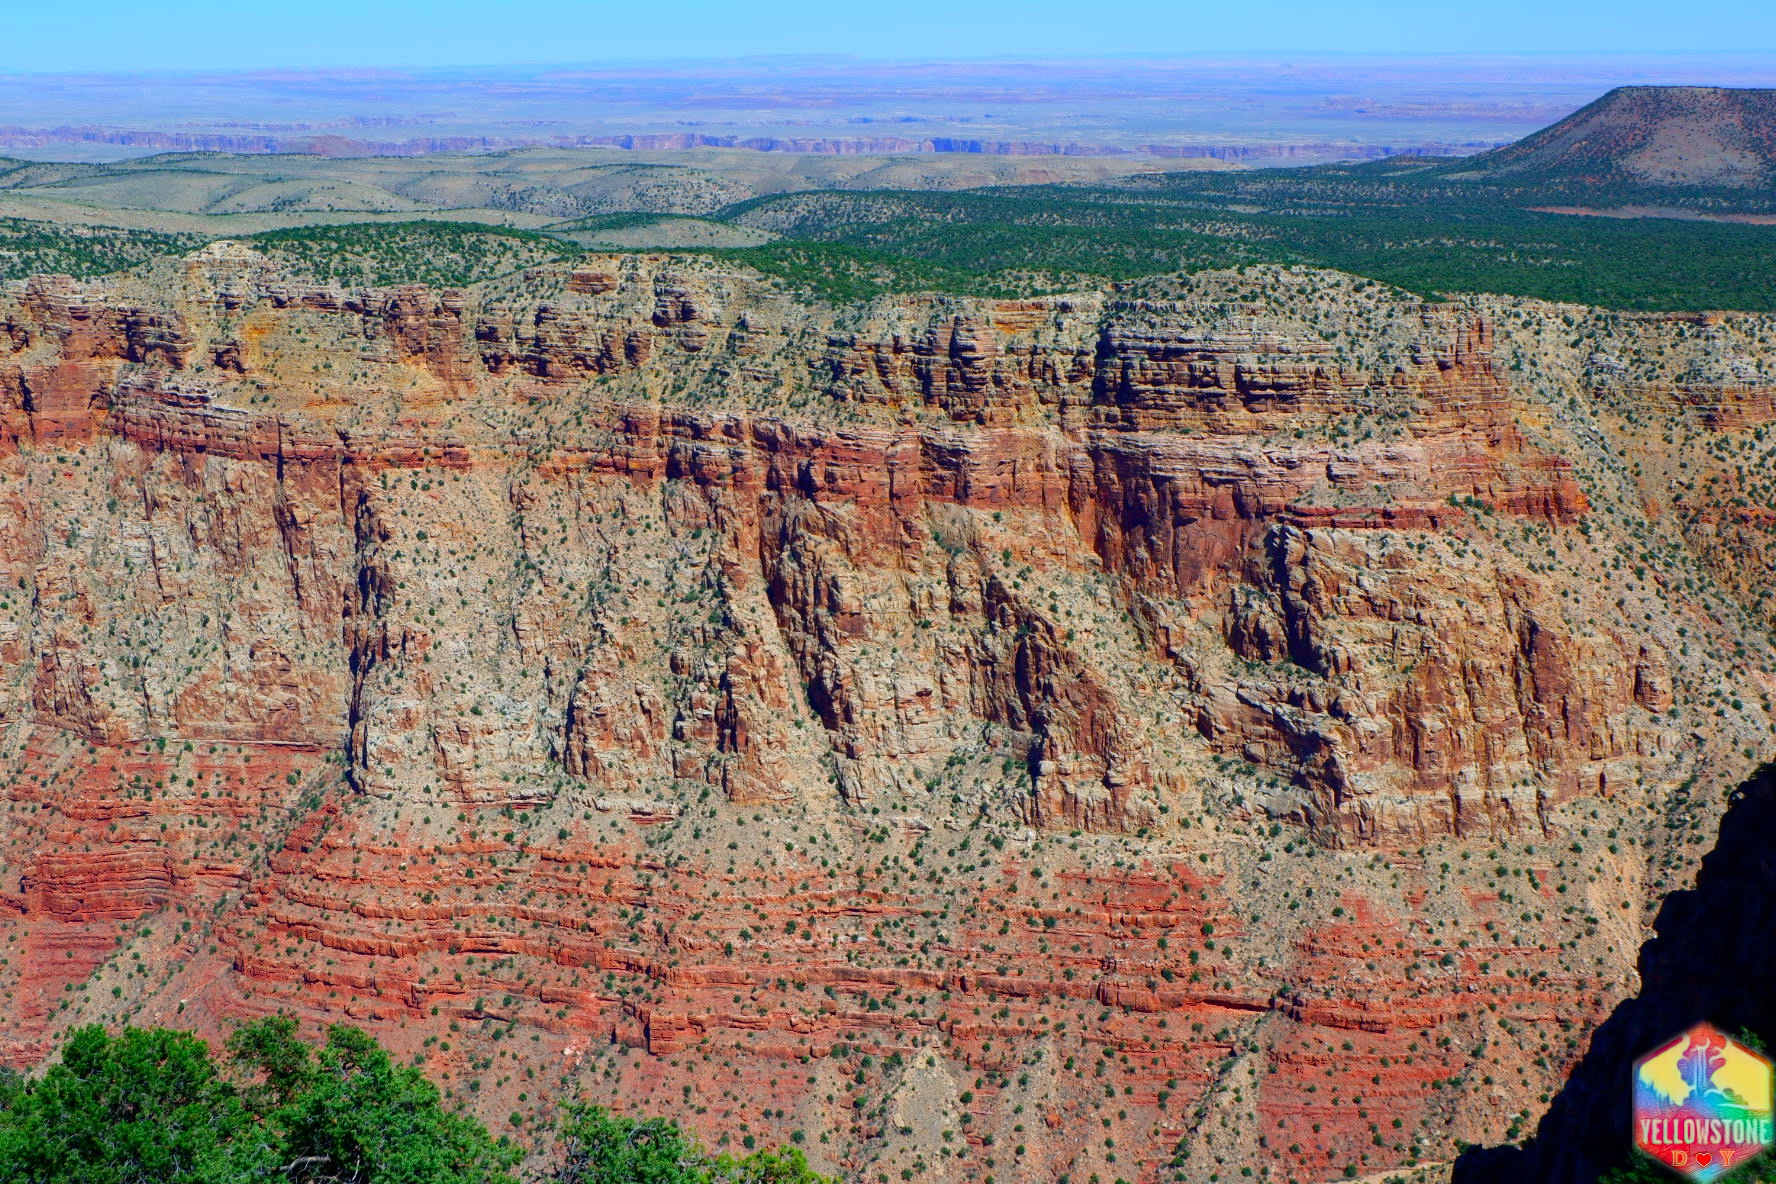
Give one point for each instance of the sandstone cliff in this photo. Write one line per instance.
(1230, 723)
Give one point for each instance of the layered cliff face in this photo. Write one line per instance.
(1226, 723)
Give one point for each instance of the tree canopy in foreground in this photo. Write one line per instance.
(154, 1106)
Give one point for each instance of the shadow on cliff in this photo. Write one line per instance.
(1713, 958)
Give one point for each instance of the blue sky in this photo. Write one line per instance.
(199, 34)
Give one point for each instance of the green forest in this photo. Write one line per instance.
(997, 242)
(156, 1106)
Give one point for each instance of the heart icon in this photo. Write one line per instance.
(1704, 1158)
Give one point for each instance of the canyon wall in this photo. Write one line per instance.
(1225, 723)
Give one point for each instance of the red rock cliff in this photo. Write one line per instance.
(1062, 736)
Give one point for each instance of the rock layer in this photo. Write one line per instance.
(1139, 733)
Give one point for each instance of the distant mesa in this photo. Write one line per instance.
(1675, 136)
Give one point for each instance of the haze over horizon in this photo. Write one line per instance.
(1357, 78)
(1323, 106)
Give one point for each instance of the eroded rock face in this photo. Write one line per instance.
(1165, 727)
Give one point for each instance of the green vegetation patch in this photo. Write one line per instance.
(841, 272)
(1431, 237)
(610, 222)
(606, 1148)
(151, 1105)
(1647, 264)
(442, 254)
(45, 248)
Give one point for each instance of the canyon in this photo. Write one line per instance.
(1229, 725)
(334, 144)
